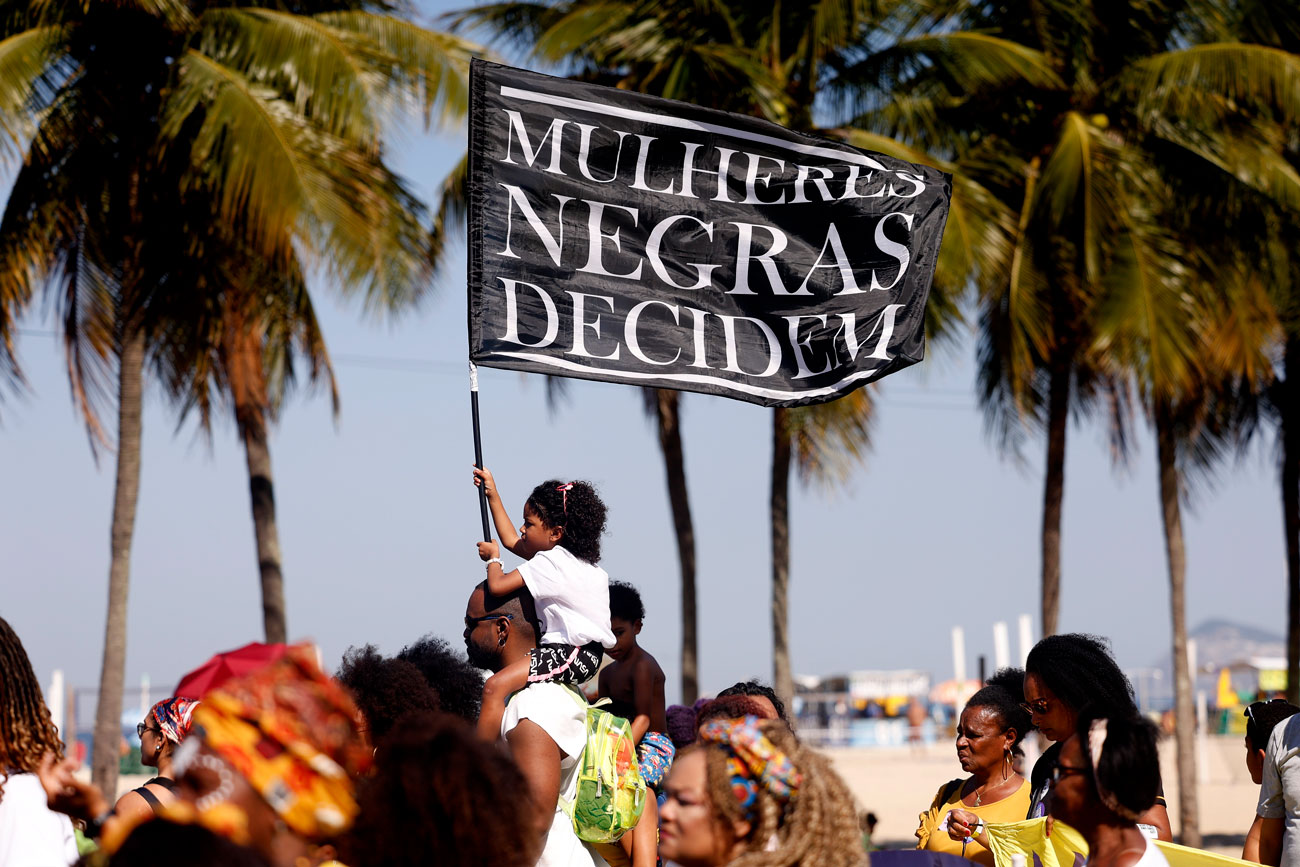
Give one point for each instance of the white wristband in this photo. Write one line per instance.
(496, 560)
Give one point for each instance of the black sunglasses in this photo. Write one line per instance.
(1038, 707)
(471, 622)
(1064, 771)
(141, 728)
(1249, 712)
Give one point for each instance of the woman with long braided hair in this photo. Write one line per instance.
(30, 833)
(748, 794)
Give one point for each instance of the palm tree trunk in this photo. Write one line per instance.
(112, 673)
(782, 677)
(1058, 418)
(1290, 413)
(667, 414)
(262, 491)
(1184, 715)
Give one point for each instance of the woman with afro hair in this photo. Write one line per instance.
(1064, 676)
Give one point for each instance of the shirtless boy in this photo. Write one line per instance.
(634, 684)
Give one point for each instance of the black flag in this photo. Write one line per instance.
(627, 238)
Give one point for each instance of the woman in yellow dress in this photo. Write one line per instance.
(988, 739)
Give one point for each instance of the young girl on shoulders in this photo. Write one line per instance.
(559, 542)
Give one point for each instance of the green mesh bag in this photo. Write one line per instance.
(610, 794)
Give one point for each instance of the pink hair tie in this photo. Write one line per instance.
(565, 488)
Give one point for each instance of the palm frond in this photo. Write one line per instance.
(452, 210)
(1149, 321)
(829, 439)
(325, 72)
(943, 66)
(517, 23)
(1079, 191)
(33, 64)
(1246, 74)
(593, 29)
(1253, 154)
(431, 66)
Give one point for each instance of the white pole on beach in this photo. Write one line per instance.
(1202, 719)
(54, 700)
(959, 654)
(1026, 637)
(1001, 645)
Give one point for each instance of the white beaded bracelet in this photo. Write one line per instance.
(496, 560)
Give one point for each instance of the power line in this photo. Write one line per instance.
(435, 367)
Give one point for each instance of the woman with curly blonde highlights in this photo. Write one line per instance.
(748, 794)
(30, 833)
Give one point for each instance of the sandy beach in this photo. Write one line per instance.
(899, 783)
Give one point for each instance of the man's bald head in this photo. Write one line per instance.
(499, 629)
(519, 605)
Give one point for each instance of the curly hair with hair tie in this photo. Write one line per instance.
(575, 508)
(818, 828)
(26, 730)
(1121, 759)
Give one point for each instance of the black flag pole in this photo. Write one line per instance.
(478, 448)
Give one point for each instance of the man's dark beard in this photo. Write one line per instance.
(488, 660)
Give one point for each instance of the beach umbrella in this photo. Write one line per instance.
(223, 666)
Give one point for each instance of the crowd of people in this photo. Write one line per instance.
(418, 759)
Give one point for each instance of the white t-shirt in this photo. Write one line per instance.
(1279, 792)
(555, 710)
(31, 834)
(572, 598)
(1152, 857)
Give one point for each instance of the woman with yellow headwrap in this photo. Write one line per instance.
(274, 761)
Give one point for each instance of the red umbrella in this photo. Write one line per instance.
(223, 666)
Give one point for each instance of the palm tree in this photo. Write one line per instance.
(1272, 225)
(665, 407)
(834, 46)
(1035, 144)
(142, 116)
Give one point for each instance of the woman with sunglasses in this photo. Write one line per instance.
(989, 733)
(1106, 778)
(161, 732)
(1063, 675)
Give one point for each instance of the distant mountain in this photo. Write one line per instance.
(1221, 642)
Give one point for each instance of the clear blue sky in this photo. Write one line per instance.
(378, 518)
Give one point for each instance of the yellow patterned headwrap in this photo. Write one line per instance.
(288, 730)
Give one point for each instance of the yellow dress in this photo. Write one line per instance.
(933, 832)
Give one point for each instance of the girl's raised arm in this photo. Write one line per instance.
(500, 518)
